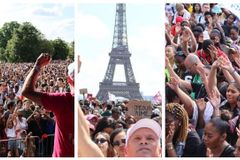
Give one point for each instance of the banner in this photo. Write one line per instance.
(83, 91)
(139, 109)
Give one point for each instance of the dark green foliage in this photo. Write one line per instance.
(24, 43)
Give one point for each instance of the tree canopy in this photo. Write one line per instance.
(24, 43)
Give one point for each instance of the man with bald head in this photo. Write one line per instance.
(192, 62)
(199, 72)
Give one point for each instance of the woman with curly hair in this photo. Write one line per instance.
(180, 140)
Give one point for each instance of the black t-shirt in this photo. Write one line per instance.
(192, 144)
(236, 110)
(199, 90)
(227, 152)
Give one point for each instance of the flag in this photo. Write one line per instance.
(111, 96)
(157, 99)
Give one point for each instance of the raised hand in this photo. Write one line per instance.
(167, 63)
(171, 132)
(225, 64)
(200, 70)
(214, 99)
(186, 35)
(43, 60)
(201, 104)
(213, 51)
(173, 84)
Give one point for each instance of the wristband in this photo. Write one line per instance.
(169, 146)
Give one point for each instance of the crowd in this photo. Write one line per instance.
(107, 130)
(27, 128)
(202, 67)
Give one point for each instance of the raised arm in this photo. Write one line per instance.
(86, 147)
(182, 83)
(212, 79)
(227, 65)
(28, 89)
(185, 99)
(201, 72)
(189, 34)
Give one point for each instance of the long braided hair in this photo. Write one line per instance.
(178, 112)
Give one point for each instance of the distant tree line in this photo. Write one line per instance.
(24, 43)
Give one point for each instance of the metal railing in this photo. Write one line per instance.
(38, 147)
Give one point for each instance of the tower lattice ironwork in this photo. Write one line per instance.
(119, 55)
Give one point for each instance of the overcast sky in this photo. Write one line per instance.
(52, 19)
(94, 35)
(94, 26)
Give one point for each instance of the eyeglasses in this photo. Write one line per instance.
(102, 140)
(118, 143)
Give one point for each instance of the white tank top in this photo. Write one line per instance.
(11, 132)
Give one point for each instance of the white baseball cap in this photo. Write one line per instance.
(144, 123)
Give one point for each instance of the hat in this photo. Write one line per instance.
(179, 19)
(91, 116)
(144, 123)
(216, 9)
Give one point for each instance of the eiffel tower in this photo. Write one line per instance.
(119, 55)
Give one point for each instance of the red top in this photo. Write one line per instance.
(62, 106)
(207, 58)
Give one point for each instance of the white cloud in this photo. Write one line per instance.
(43, 11)
(91, 26)
(55, 25)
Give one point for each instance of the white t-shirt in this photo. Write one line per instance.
(22, 125)
(11, 132)
(208, 112)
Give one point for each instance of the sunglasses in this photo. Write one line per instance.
(101, 141)
(118, 143)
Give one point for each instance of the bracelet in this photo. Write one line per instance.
(37, 68)
(169, 146)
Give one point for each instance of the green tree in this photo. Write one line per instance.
(61, 49)
(6, 32)
(71, 50)
(46, 47)
(24, 46)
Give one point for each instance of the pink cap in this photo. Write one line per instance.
(179, 19)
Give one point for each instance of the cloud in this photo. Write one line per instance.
(63, 29)
(53, 20)
(92, 27)
(55, 11)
